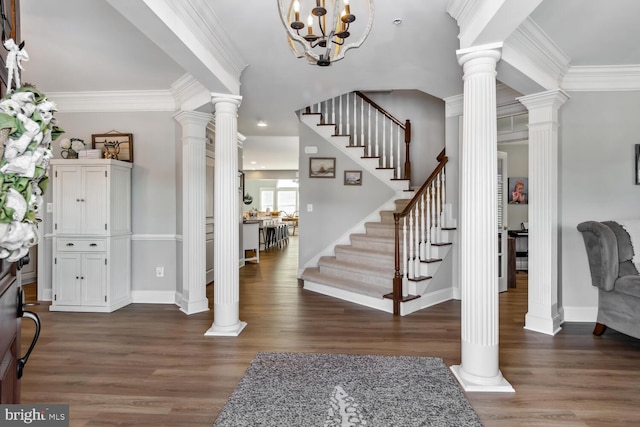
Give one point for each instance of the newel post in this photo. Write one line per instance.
(407, 141)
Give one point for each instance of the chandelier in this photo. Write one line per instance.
(326, 37)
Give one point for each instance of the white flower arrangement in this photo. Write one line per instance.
(70, 147)
(27, 128)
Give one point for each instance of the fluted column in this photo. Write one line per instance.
(194, 281)
(543, 109)
(478, 370)
(226, 213)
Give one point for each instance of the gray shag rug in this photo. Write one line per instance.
(300, 389)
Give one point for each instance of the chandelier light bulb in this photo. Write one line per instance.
(334, 32)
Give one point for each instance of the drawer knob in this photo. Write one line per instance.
(93, 244)
(70, 244)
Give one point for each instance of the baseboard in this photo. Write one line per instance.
(153, 297)
(580, 314)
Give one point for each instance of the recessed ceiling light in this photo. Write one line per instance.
(397, 21)
(253, 163)
(262, 123)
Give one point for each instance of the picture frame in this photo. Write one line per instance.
(122, 141)
(518, 191)
(322, 167)
(352, 177)
(637, 164)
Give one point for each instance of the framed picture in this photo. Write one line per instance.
(518, 191)
(118, 146)
(352, 177)
(322, 167)
(637, 164)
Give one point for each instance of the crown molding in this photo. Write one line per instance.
(189, 93)
(209, 30)
(114, 101)
(535, 54)
(602, 78)
(453, 106)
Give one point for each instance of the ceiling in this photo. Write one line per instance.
(80, 45)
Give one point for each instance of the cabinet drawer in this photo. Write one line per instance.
(75, 245)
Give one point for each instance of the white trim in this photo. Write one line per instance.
(114, 101)
(155, 237)
(580, 314)
(602, 78)
(531, 51)
(453, 106)
(153, 297)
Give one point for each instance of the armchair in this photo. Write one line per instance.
(610, 252)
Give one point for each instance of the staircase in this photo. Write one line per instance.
(393, 266)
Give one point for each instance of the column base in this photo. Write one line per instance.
(469, 383)
(549, 326)
(193, 307)
(226, 331)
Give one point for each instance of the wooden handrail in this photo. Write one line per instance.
(382, 110)
(397, 277)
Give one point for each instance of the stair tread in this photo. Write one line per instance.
(313, 274)
(356, 267)
(368, 252)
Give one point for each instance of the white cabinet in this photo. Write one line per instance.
(91, 235)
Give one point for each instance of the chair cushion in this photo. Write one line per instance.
(628, 285)
(625, 249)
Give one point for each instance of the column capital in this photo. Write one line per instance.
(543, 106)
(490, 52)
(193, 118)
(226, 98)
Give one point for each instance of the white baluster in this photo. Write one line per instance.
(354, 128)
(399, 174)
(423, 243)
(427, 228)
(384, 142)
(438, 210)
(369, 138)
(341, 124)
(391, 149)
(405, 262)
(411, 273)
(333, 110)
(416, 259)
(362, 141)
(346, 104)
(433, 213)
(377, 128)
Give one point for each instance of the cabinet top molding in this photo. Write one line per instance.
(91, 162)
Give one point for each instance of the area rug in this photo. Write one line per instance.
(330, 390)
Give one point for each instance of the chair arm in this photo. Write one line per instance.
(602, 252)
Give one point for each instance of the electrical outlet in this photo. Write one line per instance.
(159, 271)
(309, 207)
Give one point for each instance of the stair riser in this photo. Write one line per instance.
(374, 245)
(360, 258)
(360, 277)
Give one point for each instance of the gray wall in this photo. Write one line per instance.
(336, 207)
(518, 166)
(598, 131)
(426, 114)
(153, 190)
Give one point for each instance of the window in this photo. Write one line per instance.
(266, 200)
(288, 201)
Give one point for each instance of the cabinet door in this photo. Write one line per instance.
(68, 196)
(94, 200)
(67, 286)
(94, 279)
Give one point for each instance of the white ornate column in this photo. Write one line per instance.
(194, 282)
(226, 213)
(543, 109)
(478, 370)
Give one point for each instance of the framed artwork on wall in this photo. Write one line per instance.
(322, 167)
(352, 177)
(637, 164)
(117, 146)
(518, 191)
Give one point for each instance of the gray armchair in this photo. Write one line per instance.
(610, 252)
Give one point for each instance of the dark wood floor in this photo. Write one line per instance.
(152, 365)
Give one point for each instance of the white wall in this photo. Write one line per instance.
(336, 208)
(518, 166)
(426, 114)
(598, 131)
(153, 190)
